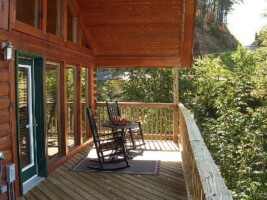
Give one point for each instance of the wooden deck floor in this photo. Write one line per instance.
(63, 184)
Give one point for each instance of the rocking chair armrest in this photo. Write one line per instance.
(139, 123)
(111, 135)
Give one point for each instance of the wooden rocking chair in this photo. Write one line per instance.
(108, 147)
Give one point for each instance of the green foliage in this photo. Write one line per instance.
(51, 84)
(140, 85)
(109, 90)
(149, 85)
(226, 59)
(261, 37)
(70, 79)
(84, 85)
(230, 108)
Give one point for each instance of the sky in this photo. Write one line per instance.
(246, 19)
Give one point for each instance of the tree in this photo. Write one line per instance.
(141, 85)
(261, 37)
(149, 85)
(215, 11)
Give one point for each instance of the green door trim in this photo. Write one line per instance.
(39, 113)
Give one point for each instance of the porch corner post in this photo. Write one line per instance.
(176, 137)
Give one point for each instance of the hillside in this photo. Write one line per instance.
(209, 41)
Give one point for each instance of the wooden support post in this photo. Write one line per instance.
(176, 101)
(79, 106)
(64, 108)
(87, 99)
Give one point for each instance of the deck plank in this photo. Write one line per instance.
(52, 191)
(39, 194)
(65, 184)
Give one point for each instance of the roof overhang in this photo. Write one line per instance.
(139, 33)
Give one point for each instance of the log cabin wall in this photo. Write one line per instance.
(54, 48)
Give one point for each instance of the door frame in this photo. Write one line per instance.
(38, 112)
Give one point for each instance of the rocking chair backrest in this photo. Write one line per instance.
(92, 122)
(113, 110)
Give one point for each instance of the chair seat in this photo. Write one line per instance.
(111, 145)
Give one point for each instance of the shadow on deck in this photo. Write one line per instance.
(63, 184)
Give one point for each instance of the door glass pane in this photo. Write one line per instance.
(28, 12)
(54, 17)
(52, 78)
(71, 107)
(25, 128)
(85, 89)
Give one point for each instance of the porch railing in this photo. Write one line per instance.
(156, 118)
(203, 176)
(159, 121)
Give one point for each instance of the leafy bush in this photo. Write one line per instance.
(229, 105)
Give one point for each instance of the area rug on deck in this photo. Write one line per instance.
(137, 166)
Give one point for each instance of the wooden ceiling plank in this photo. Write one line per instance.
(138, 29)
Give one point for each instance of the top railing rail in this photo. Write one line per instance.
(156, 118)
(203, 176)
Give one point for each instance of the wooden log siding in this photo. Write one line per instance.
(203, 176)
(5, 122)
(156, 118)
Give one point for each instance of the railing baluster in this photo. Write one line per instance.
(160, 122)
(156, 118)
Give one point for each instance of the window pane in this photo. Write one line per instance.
(28, 12)
(53, 109)
(72, 26)
(85, 89)
(71, 107)
(54, 17)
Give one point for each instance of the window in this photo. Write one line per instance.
(84, 99)
(28, 12)
(72, 25)
(53, 109)
(71, 106)
(54, 17)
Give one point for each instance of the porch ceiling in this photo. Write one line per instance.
(139, 32)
